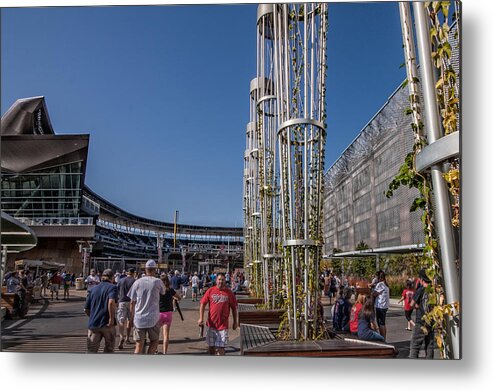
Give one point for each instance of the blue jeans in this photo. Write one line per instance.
(370, 335)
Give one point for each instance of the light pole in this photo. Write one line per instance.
(85, 248)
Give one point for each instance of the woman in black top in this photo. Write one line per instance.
(166, 309)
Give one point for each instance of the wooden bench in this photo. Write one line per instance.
(321, 348)
(253, 336)
(249, 300)
(246, 307)
(260, 317)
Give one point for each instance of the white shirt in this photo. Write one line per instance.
(382, 300)
(92, 281)
(145, 292)
(195, 281)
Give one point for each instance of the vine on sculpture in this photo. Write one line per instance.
(446, 92)
(288, 107)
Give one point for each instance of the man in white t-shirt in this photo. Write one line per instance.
(144, 308)
(195, 286)
(92, 280)
(382, 298)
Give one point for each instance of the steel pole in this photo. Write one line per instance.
(441, 203)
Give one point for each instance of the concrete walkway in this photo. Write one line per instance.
(61, 326)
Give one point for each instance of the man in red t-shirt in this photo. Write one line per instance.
(220, 299)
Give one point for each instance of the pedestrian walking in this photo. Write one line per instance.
(55, 281)
(221, 300)
(166, 309)
(22, 293)
(123, 312)
(407, 298)
(185, 283)
(423, 334)
(194, 281)
(332, 288)
(13, 284)
(44, 283)
(67, 280)
(382, 295)
(101, 308)
(92, 280)
(144, 308)
(176, 281)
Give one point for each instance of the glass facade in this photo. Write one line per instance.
(50, 192)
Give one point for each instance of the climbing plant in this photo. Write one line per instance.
(448, 102)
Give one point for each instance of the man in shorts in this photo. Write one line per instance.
(56, 281)
(67, 280)
(123, 312)
(195, 286)
(221, 300)
(144, 308)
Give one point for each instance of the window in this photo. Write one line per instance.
(388, 222)
(343, 215)
(343, 239)
(362, 231)
(361, 180)
(51, 192)
(386, 160)
(362, 205)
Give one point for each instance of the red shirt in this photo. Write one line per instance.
(407, 294)
(353, 320)
(57, 279)
(220, 302)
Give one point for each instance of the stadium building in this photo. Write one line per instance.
(43, 190)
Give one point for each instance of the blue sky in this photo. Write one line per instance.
(163, 93)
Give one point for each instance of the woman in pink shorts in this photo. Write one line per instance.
(166, 309)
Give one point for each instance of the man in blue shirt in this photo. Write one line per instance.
(101, 307)
(176, 281)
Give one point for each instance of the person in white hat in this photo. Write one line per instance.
(144, 308)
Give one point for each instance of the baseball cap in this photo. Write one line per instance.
(151, 264)
(108, 273)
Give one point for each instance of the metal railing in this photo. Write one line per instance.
(37, 221)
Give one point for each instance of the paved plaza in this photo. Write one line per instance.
(61, 326)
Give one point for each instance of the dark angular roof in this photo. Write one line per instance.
(29, 142)
(27, 116)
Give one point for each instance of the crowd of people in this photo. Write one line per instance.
(20, 282)
(139, 308)
(366, 318)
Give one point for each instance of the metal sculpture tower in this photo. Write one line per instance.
(300, 33)
(289, 98)
(266, 135)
